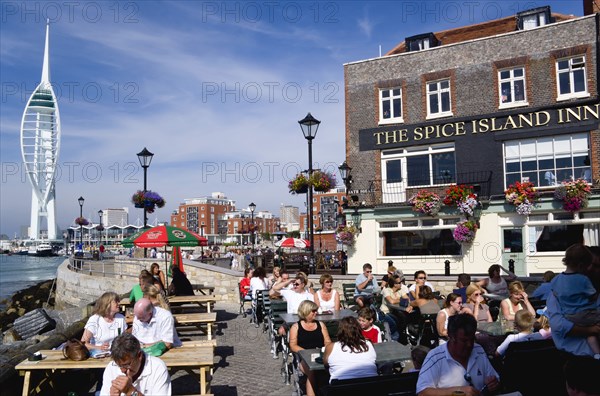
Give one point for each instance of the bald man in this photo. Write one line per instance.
(152, 324)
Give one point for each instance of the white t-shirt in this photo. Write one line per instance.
(257, 284)
(294, 299)
(327, 305)
(154, 380)
(344, 364)
(517, 338)
(414, 285)
(102, 331)
(160, 327)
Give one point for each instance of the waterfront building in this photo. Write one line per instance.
(488, 105)
(115, 217)
(290, 217)
(40, 146)
(327, 215)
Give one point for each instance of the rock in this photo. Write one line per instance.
(10, 336)
(21, 311)
(11, 311)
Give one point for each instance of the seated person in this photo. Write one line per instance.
(180, 285)
(328, 299)
(420, 281)
(351, 356)
(426, 302)
(370, 332)
(517, 300)
(132, 372)
(542, 324)
(366, 287)
(152, 293)
(524, 325)
(137, 293)
(452, 306)
(293, 296)
(105, 324)
(245, 284)
(308, 333)
(152, 325)
(417, 355)
(476, 304)
(545, 288)
(464, 280)
(159, 276)
(458, 365)
(385, 281)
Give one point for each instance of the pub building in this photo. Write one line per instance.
(483, 106)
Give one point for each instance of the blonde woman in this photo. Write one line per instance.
(153, 294)
(105, 324)
(327, 299)
(476, 303)
(516, 301)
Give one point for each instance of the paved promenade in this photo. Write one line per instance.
(243, 364)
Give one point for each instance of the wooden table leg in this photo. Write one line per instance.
(203, 390)
(26, 380)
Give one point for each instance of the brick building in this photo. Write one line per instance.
(327, 214)
(487, 105)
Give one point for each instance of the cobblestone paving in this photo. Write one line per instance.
(243, 364)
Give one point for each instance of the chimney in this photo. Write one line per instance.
(591, 7)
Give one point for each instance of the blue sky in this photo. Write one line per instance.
(213, 89)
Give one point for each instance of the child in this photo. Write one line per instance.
(365, 318)
(524, 324)
(542, 324)
(575, 293)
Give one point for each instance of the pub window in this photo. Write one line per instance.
(438, 99)
(512, 87)
(423, 242)
(571, 78)
(420, 166)
(533, 18)
(390, 105)
(547, 161)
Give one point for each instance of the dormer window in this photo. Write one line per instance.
(533, 18)
(421, 42)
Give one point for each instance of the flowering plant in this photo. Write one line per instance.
(426, 202)
(346, 235)
(322, 181)
(465, 231)
(148, 200)
(523, 196)
(81, 221)
(99, 227)
(574, 194)
(457, 193)
(299, 184)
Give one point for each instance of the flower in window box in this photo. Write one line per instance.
(523, 196)
(465, 231)
(426, 202)
(81, 221)
(573, 194)
(463, 197)
(346, 235)
(299, 184)
(322, 181)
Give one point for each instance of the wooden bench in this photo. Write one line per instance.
(197, 319)
(380, 385)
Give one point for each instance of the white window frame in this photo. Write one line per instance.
(438, 92)
(393, 118)
(512, 80)
(571, 70)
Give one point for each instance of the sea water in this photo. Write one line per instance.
(19, 272)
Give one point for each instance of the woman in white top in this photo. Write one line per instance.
(496, 284)
(351, 356)
(327, 299)
(452, 306)
(105, 324)
(258, 281)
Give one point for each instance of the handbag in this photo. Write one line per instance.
(156, 350)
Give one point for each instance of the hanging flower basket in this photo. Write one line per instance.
(573, 194)
(463, 197)
(322, 181)
(299, 184)
(81, 221)
(465, 231)
(148, 200)
(426, 202)
(346, 235)
(523, 196)
(100, 227)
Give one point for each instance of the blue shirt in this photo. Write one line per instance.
(542, 291)
(561, 327)
(372, 286)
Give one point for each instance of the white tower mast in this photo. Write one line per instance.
(40, 144)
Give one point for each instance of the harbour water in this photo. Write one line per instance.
(19, 272)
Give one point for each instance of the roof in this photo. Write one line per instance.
(479, 30)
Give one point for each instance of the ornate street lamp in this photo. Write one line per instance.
(345, 174)
(145, 158)
(81, 200)
(100, 226)
(252, 207)
(310, 126)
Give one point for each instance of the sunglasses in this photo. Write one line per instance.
(315, 310)
(297, 284)
(477, 294)
(421, 277)
(368, 272)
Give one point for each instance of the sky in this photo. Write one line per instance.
(214, 89)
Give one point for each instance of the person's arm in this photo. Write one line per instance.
(161, 275)
(415, 293)
(528, 305)
(86, 337)
(440, 321)
(505, 310)
(390, 298)
(328, 349)
(362, 285)
(337, 305)
(483, 283)
(326, 338)
(294, 347)
(278, 286)
(316, 299)
(511, 275)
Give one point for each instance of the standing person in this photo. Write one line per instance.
(524, 325)
(420, 281)
(476, 304)
(458, 365)
(327, 299)
(576, 296)
(308, 333)
(495, 284)
(366, 287)
(158, 275)
(452, 306)
(518, 300)
(105, 324)
(351, 356)
(132, 372)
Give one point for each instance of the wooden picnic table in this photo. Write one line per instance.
(177, 301)
(387, 352)
(197, 319)
(53, 362)
(203, 289)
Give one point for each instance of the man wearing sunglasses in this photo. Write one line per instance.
(366, 287)
(133, 373)
(293, 296)
(420, 281)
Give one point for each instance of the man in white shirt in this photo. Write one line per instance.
(293, 296)
(152, 324)
(132, 372)
(420, 280)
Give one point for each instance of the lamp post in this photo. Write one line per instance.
(81, 200)
(252, 207)
(202, 234)
(100, 227)
(145, 158)
(310, 126)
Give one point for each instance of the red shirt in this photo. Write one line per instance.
(373, 335)
(243, 283)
